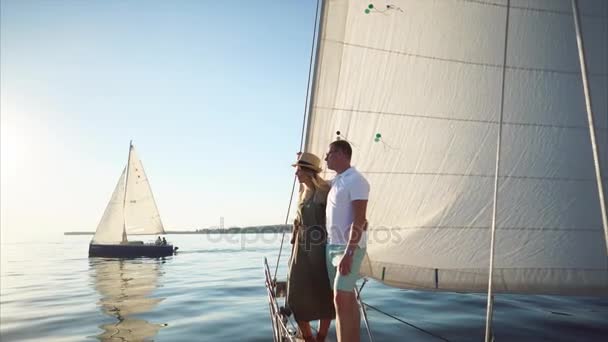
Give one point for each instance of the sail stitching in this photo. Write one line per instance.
(533, 9)
(553, 179)
(431, 117)
(598, 229)
(460, 61)
(473, 270)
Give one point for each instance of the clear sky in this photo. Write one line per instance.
(211, 92)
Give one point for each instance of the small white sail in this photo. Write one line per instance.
(415, 86)
(132, 213)
(110, 228)
(141, 213)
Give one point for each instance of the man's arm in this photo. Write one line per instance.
(359, 223)
(356, 231)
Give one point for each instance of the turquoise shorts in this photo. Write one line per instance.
(333, 255)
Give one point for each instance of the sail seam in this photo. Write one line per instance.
(533, 9)
(471, 270)
(457, 119)
(590, 230)
(553, 179)
(460, 61)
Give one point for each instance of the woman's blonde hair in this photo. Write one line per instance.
(319, 190)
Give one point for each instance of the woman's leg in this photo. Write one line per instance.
(306, 331)
(323, 329)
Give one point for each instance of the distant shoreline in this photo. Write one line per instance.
(280, 228)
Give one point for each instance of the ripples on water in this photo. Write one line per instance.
(214, 290)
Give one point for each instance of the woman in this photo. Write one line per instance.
(309, 294)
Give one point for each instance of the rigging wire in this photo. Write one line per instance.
(306, 103)
(490, 302)
(406, 323)
(590, 117)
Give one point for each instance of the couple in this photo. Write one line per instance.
(329, 244)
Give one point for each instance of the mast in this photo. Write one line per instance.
(315, 75)
(124, 200)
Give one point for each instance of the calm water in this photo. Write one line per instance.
(213, 290)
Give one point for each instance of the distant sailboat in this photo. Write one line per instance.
(131, 211)
(474, 123)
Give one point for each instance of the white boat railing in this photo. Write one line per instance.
(280, 332)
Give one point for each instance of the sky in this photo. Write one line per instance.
(212, 93)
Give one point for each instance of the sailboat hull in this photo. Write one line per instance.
(130, 250)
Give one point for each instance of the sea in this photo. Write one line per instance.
(213, 290)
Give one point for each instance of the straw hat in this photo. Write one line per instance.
(309, 161)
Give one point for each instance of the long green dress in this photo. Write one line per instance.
(309, 294)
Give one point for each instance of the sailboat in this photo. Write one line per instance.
(482, 128)
(131, 211)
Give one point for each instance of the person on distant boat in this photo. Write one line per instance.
(158, 241)
(347, 240)
(309, 293)
(164, 241)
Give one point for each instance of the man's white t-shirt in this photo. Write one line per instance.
(346, 187)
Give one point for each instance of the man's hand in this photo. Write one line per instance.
(345, 264)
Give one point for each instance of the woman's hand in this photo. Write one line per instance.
(294, 236)
(294, 233)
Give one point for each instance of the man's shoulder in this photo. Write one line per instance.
(355, 176)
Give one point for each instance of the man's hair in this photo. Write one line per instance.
(343, 146)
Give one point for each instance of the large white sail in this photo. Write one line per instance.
(110, 228)
(141, 213)
(416, 88)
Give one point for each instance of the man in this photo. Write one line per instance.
(346, 224)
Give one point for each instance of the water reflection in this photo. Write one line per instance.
(125, 287)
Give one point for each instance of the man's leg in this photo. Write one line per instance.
(348, 320)
(332, 257)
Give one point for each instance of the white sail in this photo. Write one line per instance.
(416, 88)
(141, 213)
(110, 228)
(132, 213)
